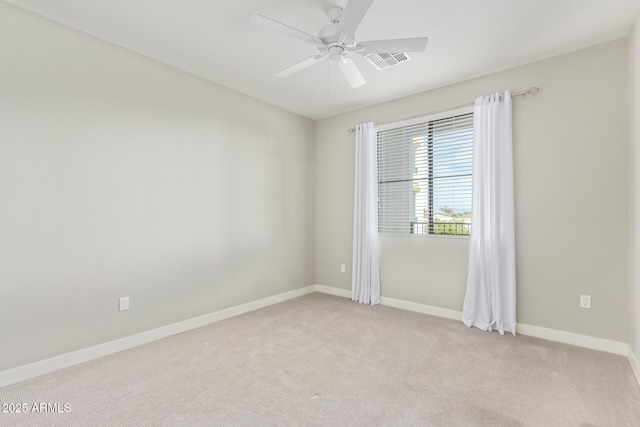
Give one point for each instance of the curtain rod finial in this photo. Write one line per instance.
(534, 90)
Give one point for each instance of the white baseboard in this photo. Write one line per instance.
(405, 305)
(42, 367)
(397, 303)
(421, 308)
(333, 291)
(635, 365)
(593, 343)
(585, 341)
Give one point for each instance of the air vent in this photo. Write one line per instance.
(385, 60)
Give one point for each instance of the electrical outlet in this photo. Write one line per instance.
(585, 301)
(123, 303)
(343, 268)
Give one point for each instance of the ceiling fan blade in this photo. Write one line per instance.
(351, 72)
(353, 14)
(389, 46)
(263, 21)
(300, 66)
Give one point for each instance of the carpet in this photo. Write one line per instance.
(321, 360)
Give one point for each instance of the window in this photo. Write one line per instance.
(424, 173)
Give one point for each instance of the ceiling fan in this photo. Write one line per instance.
(337, 41)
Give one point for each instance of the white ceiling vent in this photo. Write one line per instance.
(386, 60)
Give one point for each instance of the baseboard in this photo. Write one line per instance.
(31, 370)
(333, 291)
(585, 341)
(405, 305)
(593, 343)
(397, 303)
(635, 365)
(422, 308)
(42, 367)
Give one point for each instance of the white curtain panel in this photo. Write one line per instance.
(365, 279)
(490, 300)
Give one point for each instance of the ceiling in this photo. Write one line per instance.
(213, 39)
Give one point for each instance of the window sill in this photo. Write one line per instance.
(428, 236)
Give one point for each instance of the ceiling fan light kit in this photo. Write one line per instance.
(337, 42)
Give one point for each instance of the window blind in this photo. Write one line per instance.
(424, 174)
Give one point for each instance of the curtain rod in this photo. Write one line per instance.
(531, 91)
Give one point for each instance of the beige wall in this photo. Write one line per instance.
(634, 188)
(122, 176)
(570, 154)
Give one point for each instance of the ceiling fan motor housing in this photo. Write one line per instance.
(329, 34)
(336, 53)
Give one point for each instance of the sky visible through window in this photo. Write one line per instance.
(452, 168)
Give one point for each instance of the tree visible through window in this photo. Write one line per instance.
(424, 172)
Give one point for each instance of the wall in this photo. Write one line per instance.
(634, 189)
(570, 154)
(123, 176)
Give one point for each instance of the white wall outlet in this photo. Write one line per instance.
(343, 268)
(585, 301)
(123, 303)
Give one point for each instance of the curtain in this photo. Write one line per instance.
(365, 279)
(490, 300)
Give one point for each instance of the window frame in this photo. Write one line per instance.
(427, 119)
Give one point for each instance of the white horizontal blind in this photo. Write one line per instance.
(424, 174)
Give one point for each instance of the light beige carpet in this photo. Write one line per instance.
(323, 360)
